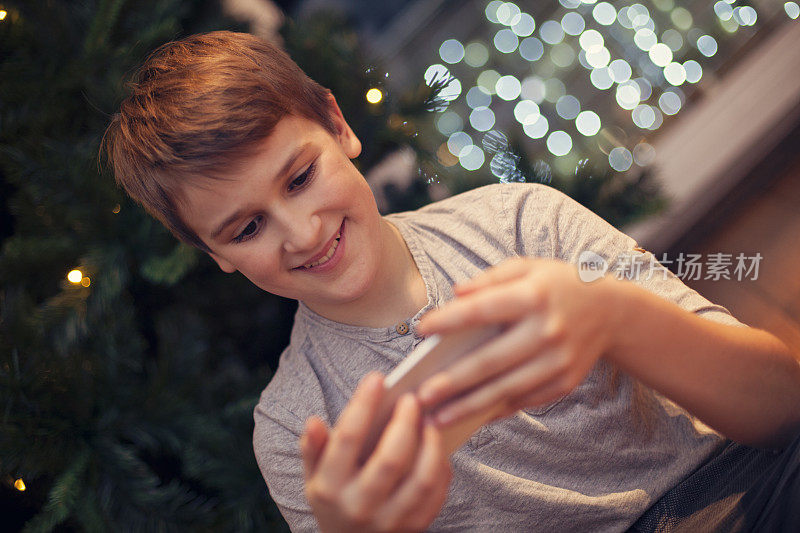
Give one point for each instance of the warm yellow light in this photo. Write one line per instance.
(86, 282)
(374, 96)
(18, 484)
(3, 14)
(116, 209)
(75, 276)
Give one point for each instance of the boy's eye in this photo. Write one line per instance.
(303, 178)
(250, 230)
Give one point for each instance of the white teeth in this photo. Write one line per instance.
(328, 255)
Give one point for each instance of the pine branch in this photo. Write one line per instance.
(62, 498)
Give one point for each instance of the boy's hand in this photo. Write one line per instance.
(403, 484)
(558, 326)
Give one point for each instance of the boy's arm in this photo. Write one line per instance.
(740, 381)
(743, 382)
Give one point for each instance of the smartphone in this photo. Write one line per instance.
(429, 357)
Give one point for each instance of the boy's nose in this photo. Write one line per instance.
(303, 236)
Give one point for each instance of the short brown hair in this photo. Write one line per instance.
(197, 106)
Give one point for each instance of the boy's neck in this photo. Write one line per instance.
(397, 293)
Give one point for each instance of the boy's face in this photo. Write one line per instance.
(284, 208)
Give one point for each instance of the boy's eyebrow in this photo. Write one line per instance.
(283, 171)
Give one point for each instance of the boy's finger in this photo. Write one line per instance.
(505, 271)
(493, 305)
(539, 373)
(431, 471)
(501, 354)
(395, 452)
(340, 456)
(312, 442)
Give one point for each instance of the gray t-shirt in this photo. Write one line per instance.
(593, 460)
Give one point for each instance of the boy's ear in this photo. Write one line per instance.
(347, 139)
(224, 265)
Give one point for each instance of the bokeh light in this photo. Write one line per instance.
(598, 57)
(478, 97)
(707, 45)
(551, 32)
(562, 55)
(554, 89)
(591, 40)
(672, 38)
(482, 119)
(508, 13)
(644, 116)
(476, 55)
(792, 9)
(508, 87)
(449, 122)
(538, 129)
(472, 158)
(628, 94)
(601, 78)
(620, 70)
(75, 276)
(526, 112)
(723, 10)
(374, 96)
(669, 102)
(559, 143)
(451, 51)
(572, 23)
(604, 13)
(568, 107)
(620, 159)
(436, 71)
(506, 41)
(487, 80)
(587, 123)
(524, 26)
(533, 88)
(645, 88)
(645, 39)
(681, 18)
(531, 49)
(694, 72)
(491, 10)
(659, 119)
(644, 154)
(745, 15)
(675, 74)
(458, 142)
(660, 54)
(638, 15)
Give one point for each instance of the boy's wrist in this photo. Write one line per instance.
(618, 299)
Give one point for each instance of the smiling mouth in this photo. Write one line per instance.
(328, 254)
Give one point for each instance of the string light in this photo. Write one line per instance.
(374, 96)
(3, 14)
(18, 484)
(75, 276)
(86, 281)
(116, 209)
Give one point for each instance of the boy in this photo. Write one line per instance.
(229, 144)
